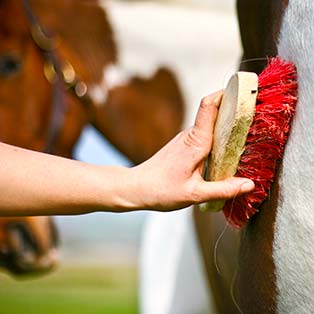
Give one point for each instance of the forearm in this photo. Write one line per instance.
(33, 183)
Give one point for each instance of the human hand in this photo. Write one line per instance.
(172, 178)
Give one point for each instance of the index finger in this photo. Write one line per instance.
(207, 113)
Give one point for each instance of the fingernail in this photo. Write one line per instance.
(247, 186)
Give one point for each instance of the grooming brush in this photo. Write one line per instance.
(250, 134)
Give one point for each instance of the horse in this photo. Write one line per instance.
(272, 269)
(59, 71)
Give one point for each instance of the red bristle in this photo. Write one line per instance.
(276, 100)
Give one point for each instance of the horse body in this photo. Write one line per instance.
(293, 250)
(275, 259)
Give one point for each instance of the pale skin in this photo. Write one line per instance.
(33, 183)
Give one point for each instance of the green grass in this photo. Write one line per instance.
(72, 290)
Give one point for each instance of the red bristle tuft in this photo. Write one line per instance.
(267, 137)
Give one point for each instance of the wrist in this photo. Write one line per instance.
(120, 189)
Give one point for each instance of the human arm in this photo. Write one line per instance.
(33, 183)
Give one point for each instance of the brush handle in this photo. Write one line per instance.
(233, 122)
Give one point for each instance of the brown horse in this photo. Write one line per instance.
(27, 244)
(273, 268)
(58, 72)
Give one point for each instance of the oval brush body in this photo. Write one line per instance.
(264, 140)
(234, 119)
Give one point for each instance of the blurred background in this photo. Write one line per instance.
(99, 252)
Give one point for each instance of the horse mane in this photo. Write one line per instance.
(86, 37)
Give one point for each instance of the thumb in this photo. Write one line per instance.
(225, 189)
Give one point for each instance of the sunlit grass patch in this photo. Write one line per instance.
(83, 290)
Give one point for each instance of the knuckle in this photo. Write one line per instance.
(192, 138)
(195, 194)
(207, 102)
(228, 191)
